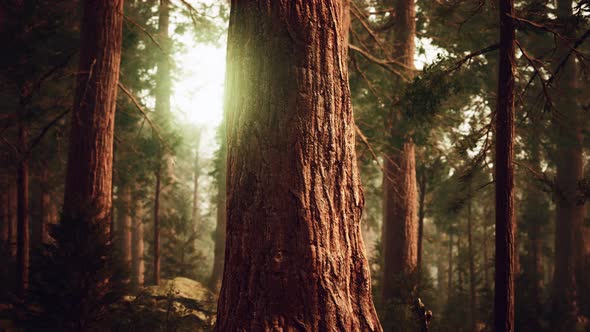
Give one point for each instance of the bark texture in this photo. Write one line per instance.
(504, 173)
(88, 191)
(295, 259)
(400, 218)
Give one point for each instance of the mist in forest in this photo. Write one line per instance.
(294, 165)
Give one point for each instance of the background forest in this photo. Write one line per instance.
(423, 81)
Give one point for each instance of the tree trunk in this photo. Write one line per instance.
(163, 82)
(45, 206)
(421, 216)
(219, 253)
(295, 258)
(13, 208)
(138, 268)
(196, 174)
(450, 271)
(22, 180)
(88, 192)
(5, 219)
(534, 217)
(400, 220)
(504, 173)
(570, 170)
(471, 253)
(125, 225)
(486, 259)
(156, 272)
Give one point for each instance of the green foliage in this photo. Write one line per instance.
(76, 279)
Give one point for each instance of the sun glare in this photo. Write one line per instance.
(198, 93)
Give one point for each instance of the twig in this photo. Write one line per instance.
(146, 117)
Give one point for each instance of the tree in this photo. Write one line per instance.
(22, 181)
(504, 173)
(137, 245)
(295, 258)
(400, 219)
(89, 177)
(569, 214)
(220, 229)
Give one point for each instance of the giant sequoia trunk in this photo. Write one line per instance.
(504, 173)
(400, 195)
(89, 177)
(295, 258)
(570, 169)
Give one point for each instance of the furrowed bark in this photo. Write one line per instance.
(88, 192)
(504, 173)
(295, 259)
(400, 218)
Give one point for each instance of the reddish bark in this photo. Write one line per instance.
(88, 192)
(504, 173)
(400, 219)
(295, 259)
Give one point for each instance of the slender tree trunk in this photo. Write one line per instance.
(22, 180)
(486, 259)
(400, 220)
(219, 253)
(504, 173)
(163, 83)
(138, 267)
(450, 271)
(156, 272)
(13, 208)
(534, 217)
(88, 192)
(295, 258)
(125, 225)
(471, 253)
(460, 279)
(5, 216)
(196, 174)
(45, 206)
(421, 215)
(570, 170)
